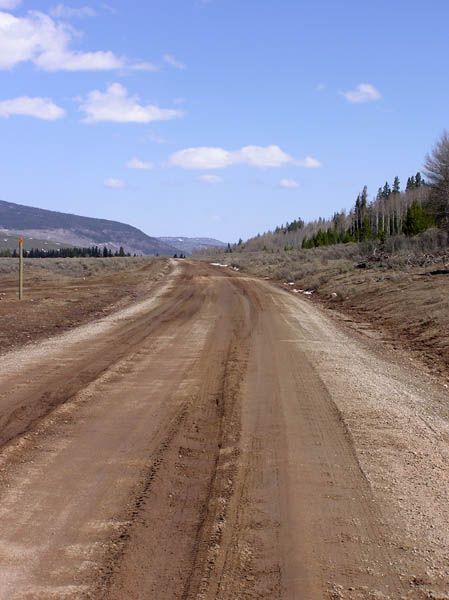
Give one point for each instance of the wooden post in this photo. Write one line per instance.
(21, 269)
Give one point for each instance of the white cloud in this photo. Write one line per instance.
(174, 62)
(219, 158)
(117, 106)
(9, 4)
(45, 42)
(288, 184)
(114, 184)
(210, 179)
(79, 61)
(144, 66)
(309, 163)
(40, 108)
(140, 165)
(202, 158)
(364, 92)
(62, 11)
(259, 156)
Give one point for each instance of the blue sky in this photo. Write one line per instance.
(217, 118)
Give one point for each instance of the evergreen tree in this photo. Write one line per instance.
(366, 232)
(386, 191)
(396, 185)
(416, 219)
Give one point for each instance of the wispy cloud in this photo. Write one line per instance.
(218, 158)
(9, 4)
(140, 165)
(62, 11)
(144, 66)
(108, 8)
(40, 108)
(47, 43)
(309, 163)
(171, 60)
(210, 179)
(288, 184)
(114, 184)
(117, 106)
(154, 137)
(364, 92)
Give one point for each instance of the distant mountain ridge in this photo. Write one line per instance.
(190, 245)
(75, 230)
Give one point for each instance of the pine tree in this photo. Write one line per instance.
(366, 232)
(416, 219)
(396, 186)
(386, 191)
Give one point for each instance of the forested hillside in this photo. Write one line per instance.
(394, 211)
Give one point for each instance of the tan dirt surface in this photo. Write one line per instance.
(63, 293)
(406, 304)
(222, 439)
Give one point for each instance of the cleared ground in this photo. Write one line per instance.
(405, 299)
(64, 293)
(221, 439)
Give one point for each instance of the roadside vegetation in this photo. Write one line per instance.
(384, 263)
(422, 205)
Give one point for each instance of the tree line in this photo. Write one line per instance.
(393, 211)
(70, 252)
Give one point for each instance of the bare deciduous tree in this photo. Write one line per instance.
(437, 173)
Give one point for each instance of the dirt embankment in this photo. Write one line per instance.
(406, 305)
(63, 293)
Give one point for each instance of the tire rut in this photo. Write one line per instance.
(56, 385)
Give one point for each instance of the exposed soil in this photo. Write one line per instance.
(407, 305)
(221, 439)
(63, 293)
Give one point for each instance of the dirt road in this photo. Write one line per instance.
(222, 439)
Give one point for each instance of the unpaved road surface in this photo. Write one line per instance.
(221, 439)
